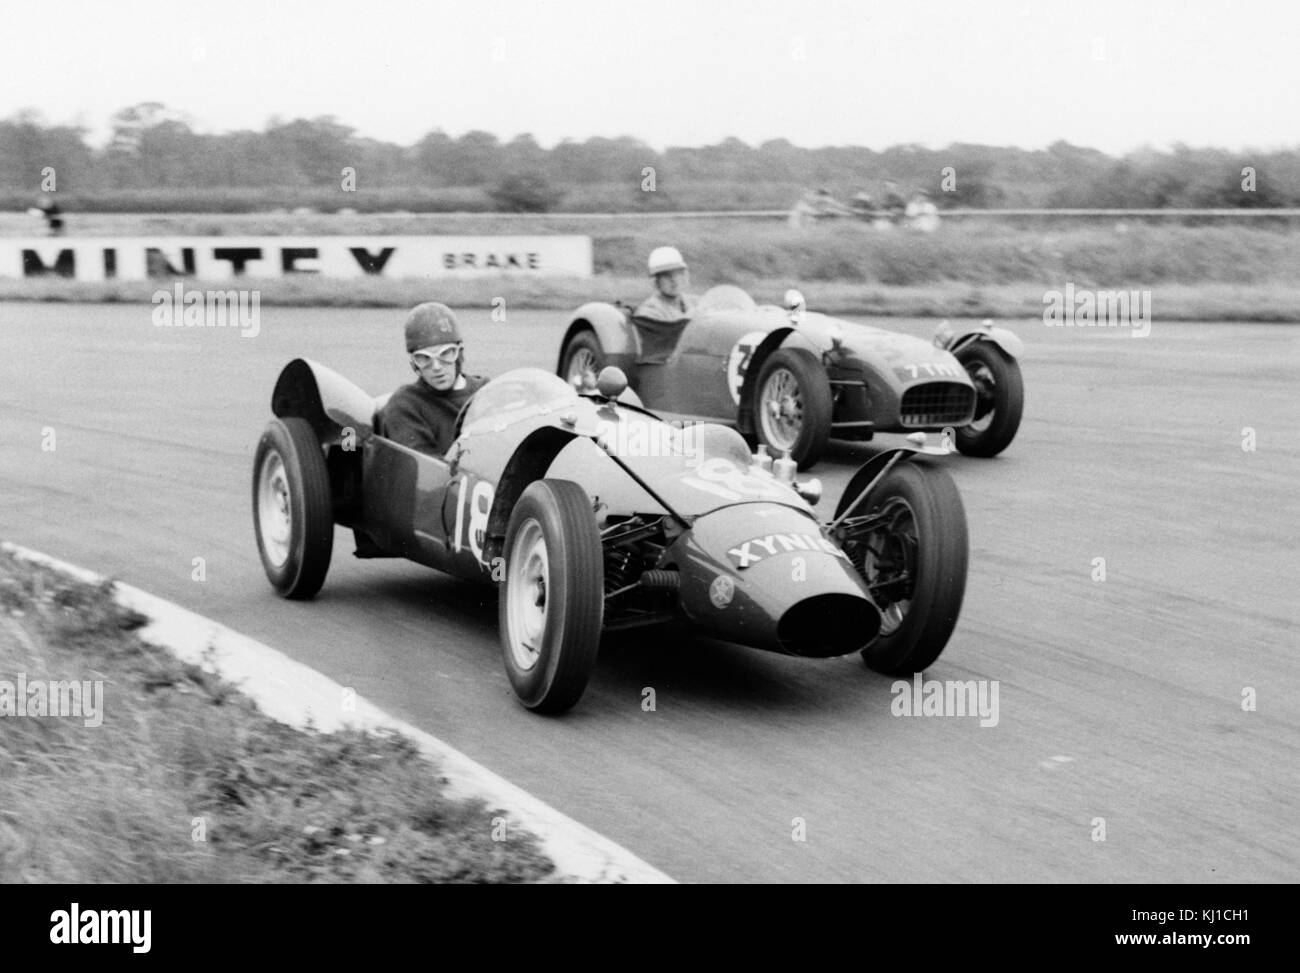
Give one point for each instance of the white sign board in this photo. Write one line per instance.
(225, 258)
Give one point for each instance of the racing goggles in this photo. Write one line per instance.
(446, 354)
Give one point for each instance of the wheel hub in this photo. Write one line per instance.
(886, 556)
(782, 410)
(526, 582)
(985, 391)
(274, 510)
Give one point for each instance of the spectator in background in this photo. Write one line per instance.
(53, 214)
(801, 213)
(922, 214)
(893, 203)
(816, 205)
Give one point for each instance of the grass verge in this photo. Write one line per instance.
(184, 780)
(1268, 302)
(1103, 255)
(993, 269)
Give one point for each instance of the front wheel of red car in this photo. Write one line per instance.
(911, 549)
(552, 601)
(293, 516)
(793, 406)
(999, 399)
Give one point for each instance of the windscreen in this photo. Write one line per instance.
(517, 394)
(724, 297)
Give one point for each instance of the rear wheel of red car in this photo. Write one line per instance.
(792, 405)
(552, 601)
(999, 399)
(912, 554)
(582, 360)
(292, 513)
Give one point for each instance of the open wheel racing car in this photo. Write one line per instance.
(592, 515)
(792, 379)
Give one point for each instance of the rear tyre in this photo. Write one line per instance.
(293, 515)
(792, 405)
(582, 360)
(914, 560)
(552, 602)
(999, 399)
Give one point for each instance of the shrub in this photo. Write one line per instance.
(524, 193)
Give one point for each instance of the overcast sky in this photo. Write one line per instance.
(1114, 75)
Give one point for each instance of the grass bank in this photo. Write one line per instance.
(1112, 255)
(984, 269)
(1170, 302)
(181, 779)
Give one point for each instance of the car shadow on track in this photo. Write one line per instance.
(723, 676)
(699, 672)
(446, 598)
(848, 455)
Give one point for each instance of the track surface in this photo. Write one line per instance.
(1118, 699)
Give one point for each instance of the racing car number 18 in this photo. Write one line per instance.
(475, 503)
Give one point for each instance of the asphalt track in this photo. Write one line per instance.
(1118, 699)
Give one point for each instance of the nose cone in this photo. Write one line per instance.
(763, 575)
(827, 625)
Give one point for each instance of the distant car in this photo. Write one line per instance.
(793, 380)
(593, 515)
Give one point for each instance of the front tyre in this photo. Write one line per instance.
(911, 550)
(552, 602)
(582, 360)
(793, 406)
(293, 516)
(999, 399)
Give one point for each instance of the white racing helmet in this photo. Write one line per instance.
(664, 259)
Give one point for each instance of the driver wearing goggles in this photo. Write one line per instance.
(423, 414)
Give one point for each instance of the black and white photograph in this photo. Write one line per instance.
(719, 443)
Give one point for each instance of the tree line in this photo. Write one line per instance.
(154, 151)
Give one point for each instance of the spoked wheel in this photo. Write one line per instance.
(292, 513)
(888, 562)
(582, 360)
(552, 600)
(999, 399)
(910, 546)
(793, 405)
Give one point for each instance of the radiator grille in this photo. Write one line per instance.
(938, 404)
